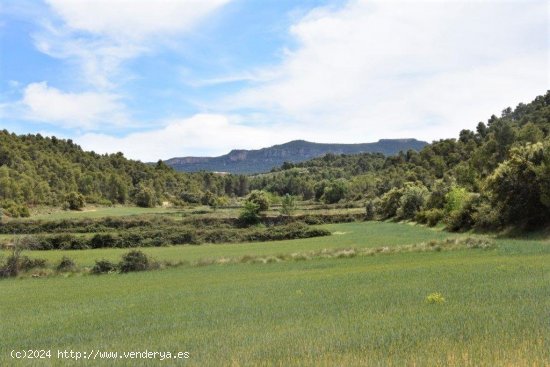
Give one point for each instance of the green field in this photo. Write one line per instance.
(345, 235)
(366, 310)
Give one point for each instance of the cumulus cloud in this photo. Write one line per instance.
(377, 69)
(86, 111)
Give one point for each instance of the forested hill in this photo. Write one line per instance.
(495, 176)
(263, 160)
(37, 170)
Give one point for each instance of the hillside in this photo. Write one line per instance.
(265, 159)
(37, 170)
(496, 176)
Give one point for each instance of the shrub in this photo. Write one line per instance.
(430, 217)
(208, 198)
(134, 261)
(463, 218)
(145, 197)
(250, 213)
(66, 264)
(288, 204)
(259, 198)
(26, 263)
(455, 199)
(370, 210)
(435, 298)
(411, 201)
(10, 268)
(389, 203)
(335, 191)
(103, 266)
(103, 240)
(75, 201)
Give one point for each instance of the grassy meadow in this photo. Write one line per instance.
(359, 311)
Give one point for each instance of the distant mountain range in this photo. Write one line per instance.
(263, 160)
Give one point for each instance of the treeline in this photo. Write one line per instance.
(37, 170)
(496, 176)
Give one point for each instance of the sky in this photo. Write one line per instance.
(171, 78)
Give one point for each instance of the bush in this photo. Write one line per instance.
(335, 191)
(66, 264)
(288, 205)
(389, 203)
(26, 263)
(145, 197)
(14, 210)
(134, 261)
(430, 217)
(250, 213)
(103, 267)
(435, 298)
(463, 218)
(411, 201)
(259, 198)
(75, 201)
(10, 268)
(370, 210)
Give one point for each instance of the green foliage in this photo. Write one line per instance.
(260, 198)
(66, 264)
(389, 203)
(145, 197)
(288, 205)
(455, 199)
(413, 198)
(370, 210)
(37, 170)
(134, 260)
(431, 217)
(75, 201)
(335, 191)
(250, 213)
(14, 210)
(520, 186)
(104, 266)
(435, 298)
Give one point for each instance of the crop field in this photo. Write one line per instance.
(344, 235)
(356, 311)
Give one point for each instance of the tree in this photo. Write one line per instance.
(145, 197)
(520, 186)
(370, 210)
(335, 191)
(288, 205)
(259, 198)
(250, 213)
(412, 200)
(75, 200)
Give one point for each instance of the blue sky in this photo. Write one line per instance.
(157, 79)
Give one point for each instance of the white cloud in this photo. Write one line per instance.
(377, 69)
(201, 134)
(86, 111)
(133, 19)
(99, 35)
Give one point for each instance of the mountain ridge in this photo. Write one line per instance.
(244, 161)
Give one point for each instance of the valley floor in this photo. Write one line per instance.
(358, 311)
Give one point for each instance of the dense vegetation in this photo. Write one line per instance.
(498, 175)
(36, 170)
(494, 177)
